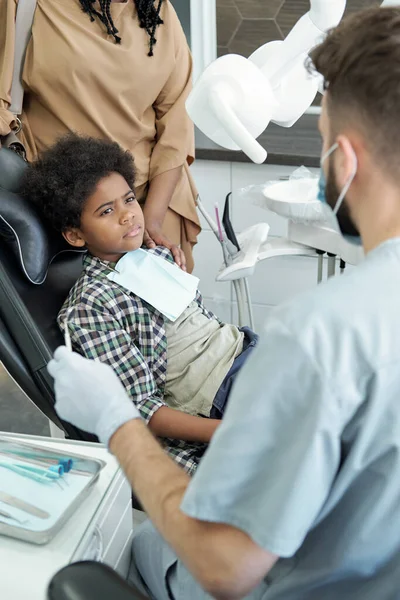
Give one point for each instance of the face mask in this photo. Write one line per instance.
(321, 196)
(328, 192)
(162, 284)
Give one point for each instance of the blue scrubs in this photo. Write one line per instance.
(307, 458)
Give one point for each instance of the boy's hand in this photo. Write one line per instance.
(89, 394)
(154, 237)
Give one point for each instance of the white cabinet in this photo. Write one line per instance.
(112, 529)
(101, 529)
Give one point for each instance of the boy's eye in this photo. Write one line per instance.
(107, 211)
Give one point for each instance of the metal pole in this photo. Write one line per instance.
(320, 265)
(331, 265)
(240, 302)
(248, 298)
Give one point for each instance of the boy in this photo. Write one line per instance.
(85, 188)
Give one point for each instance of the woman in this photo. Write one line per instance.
(116, 70)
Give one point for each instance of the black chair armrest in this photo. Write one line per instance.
(89, 580)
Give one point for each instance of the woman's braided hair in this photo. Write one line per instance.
(148, 12)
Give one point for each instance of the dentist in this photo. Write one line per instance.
(298, 495)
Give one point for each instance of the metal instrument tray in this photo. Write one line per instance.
(56, 500)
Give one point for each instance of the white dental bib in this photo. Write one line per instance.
(162, 284)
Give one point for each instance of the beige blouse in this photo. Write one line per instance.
(76, 78)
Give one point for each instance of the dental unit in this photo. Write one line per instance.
(232, 103)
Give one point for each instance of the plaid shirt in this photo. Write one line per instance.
(110, 323)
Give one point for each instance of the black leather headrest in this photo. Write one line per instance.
(21, 226)
(12, 168)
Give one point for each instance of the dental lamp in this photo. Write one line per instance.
(235, 98)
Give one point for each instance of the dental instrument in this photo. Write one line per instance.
(231, 250)
(230, 234)
(220, 235)
(38, 474)
(7, 515)
(221, 238)
(43, 460)
(23, 505)
(67, 336)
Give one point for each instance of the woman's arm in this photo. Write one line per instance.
(7, 35)
(158, 198)
(174, 131)
(168, 422)
(157, 202)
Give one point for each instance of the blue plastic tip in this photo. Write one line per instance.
(67, 463)
(58, 469)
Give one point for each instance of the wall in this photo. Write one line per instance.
(275, 280)
(245, 25)
(182, 8)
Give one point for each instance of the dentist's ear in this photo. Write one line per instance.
(346, 161)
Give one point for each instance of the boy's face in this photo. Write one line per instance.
(112, 221)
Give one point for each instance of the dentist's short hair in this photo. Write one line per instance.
(360, 63)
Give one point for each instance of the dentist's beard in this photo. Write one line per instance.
(332, 192)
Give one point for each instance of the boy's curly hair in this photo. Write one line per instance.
(66, 175)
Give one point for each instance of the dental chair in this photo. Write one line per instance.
(37, 269)
(89, 580)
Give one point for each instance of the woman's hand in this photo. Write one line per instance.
(147, 241)
(155, 208)
(153, 237)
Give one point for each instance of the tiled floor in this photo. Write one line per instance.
(17, 413)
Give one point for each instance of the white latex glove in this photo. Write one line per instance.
(89, 394)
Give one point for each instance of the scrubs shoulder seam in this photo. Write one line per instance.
(283, 548)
